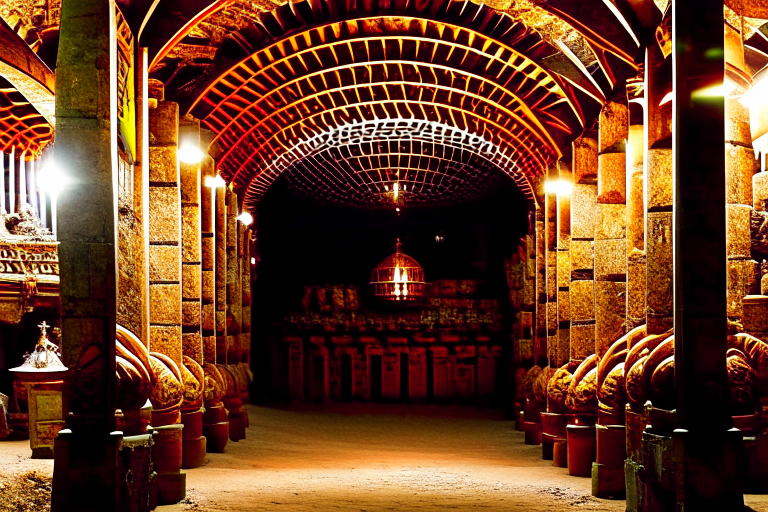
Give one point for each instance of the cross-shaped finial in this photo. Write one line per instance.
(43, 327)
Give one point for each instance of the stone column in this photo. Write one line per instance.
(583, 225)
(540, 347)
(208, 249)
(245, 325)
(658, 192)
(635, 219)
(708, 453)
(85, 476)
(564, 265)
(141, 188)
(191, 263)
(164, 232)
(610, 235)
(234, 280)
(550, 246)
(220, 273)
(743, 275)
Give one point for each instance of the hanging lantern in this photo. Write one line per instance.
(398, 278)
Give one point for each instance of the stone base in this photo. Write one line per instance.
(582, 449)
(85, 476)
(608, 482)
(171, 487)
(42, 452)
(548, 446)
(238, 421)
(560, 453)
(136, 476)
(193, 452)
(216, 436)
(532, 432)
(756, 464)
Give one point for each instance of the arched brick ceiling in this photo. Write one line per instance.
(358, 164)
(313, 67)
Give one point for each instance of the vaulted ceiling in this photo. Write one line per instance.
(347, 97)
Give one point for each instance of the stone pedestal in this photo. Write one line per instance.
(552, 429)
(608, 469)
(171, 481)
(86, 472)
(215, 427)
(581, 449)
(193, 441)
(137, 475)
(42, 391)
(238, 418)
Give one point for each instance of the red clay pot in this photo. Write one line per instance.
(193, 424)
(560, 453)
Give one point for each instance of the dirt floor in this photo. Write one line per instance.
(367, 458)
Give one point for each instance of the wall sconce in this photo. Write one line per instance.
(215, 182)
(558, 187)
(246, 218)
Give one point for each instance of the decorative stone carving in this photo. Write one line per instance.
(557, 390)
(526, 386)
(168, 393)
(582, 392)
(194, 381)
(215, 386)
(540, 386)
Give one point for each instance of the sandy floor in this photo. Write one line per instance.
(374, 458)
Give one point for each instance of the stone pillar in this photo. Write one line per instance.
(85, 476)
(164, 232)
(141, 189)
(635, 295)
(191, 264)
(583, 225)
(245, 325)
(208, 250)
(658, 192)
(550, 246)
(743, 275)
(610, 235)
(234, 280)
(540, 326)
(708, 454)
(564, 265)
(220, 273)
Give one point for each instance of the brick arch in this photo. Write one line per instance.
(470, 69)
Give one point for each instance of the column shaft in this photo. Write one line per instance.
(164, 232)
(192, 342)
(583, 225)
(234, 281)
(564, 266)
(220, 279)
(635, 219)
(208, 250)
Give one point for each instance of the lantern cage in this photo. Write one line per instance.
(398, 278)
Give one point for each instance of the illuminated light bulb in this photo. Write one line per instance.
(215, 181)
(190, 154)
(405, 289)
(396, 189)
(386, 187)
(51, 180)
(397, 209)
(246, 218)
(397, 274)
(253, 261)
(559, 187)
(397, 290)
(666, 99)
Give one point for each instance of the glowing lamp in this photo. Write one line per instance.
(51, 180)
(215, 182)
(558, 187)
(246, 218)
(190, 154)
(757, 93)
(398, 278)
